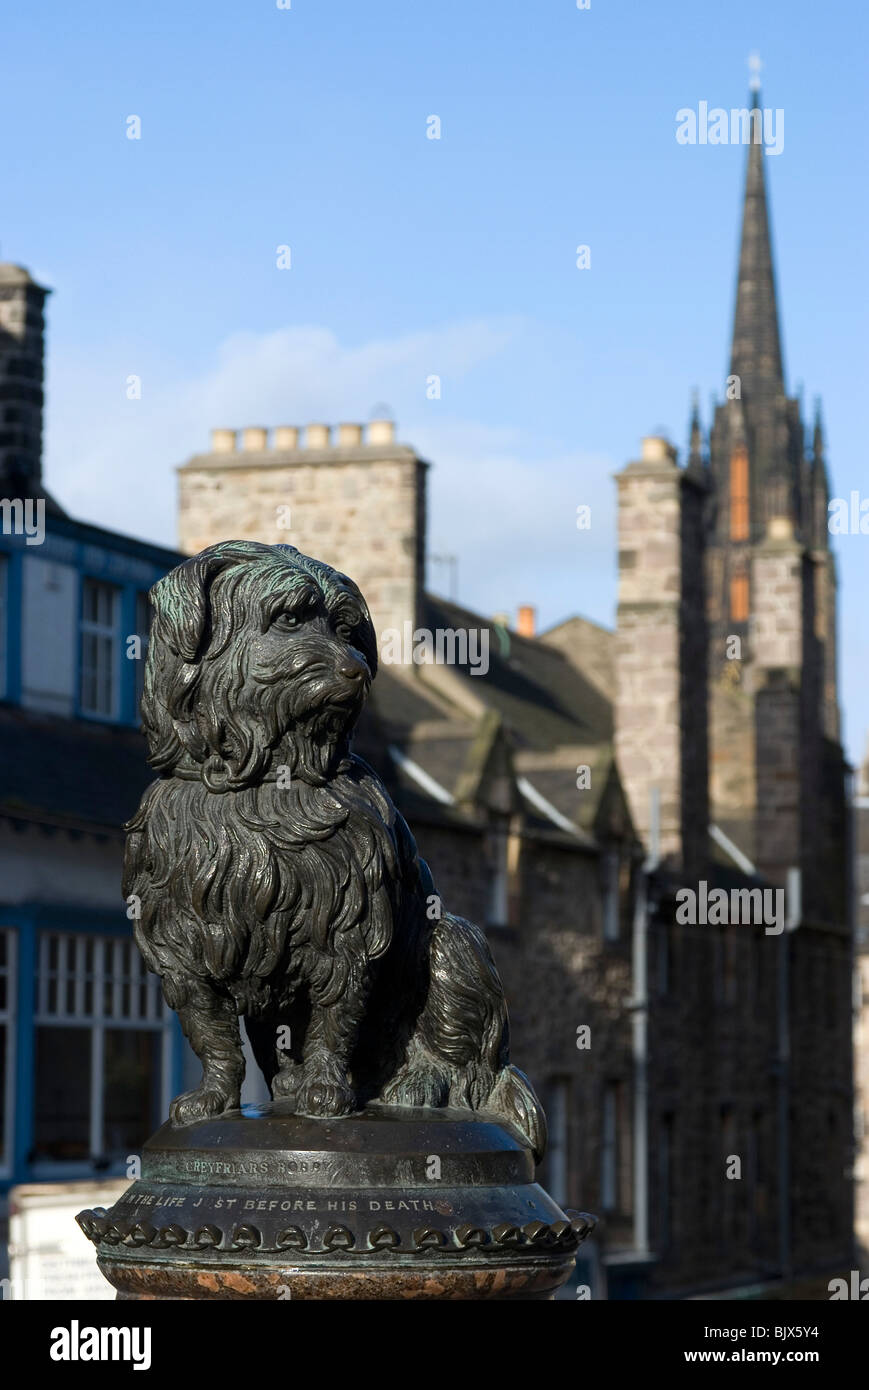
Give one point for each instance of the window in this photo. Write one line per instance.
(739, 495)
(4, 623)
(610, 888)
(99, 649)
(8, 943)
(498, 907)
(615, 1151)
(102, 1036)
(739, 601)
(731, 1167)
(557, 1149)
(610, 1146)
(665, 1180)
(728, 957)
(143, 628)
(667, 938)
(757, 1190)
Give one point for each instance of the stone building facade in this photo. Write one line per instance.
(570, 799)
(697, 1074)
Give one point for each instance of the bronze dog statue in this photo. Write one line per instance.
(274, 877)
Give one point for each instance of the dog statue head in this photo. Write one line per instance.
(259, 657)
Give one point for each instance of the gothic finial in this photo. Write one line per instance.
(695, 445)
(818, 433)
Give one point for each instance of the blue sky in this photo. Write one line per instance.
(413, 257)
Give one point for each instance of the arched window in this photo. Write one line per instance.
(739, 596)
(739, 495)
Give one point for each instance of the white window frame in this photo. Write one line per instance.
(9, 1021)
(118, 963)
(108, 632)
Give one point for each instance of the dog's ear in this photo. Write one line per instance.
(179, 636)
(180, 598)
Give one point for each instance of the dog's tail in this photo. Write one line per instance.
(459, 1052)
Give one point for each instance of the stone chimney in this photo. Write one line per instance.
(661, 725)
(350, 496)
(21, 375)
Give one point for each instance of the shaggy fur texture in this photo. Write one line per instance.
(275, 877)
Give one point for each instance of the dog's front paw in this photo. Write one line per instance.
(201, 1104)
(326, 1097)
(285, 1083)
(327, 1093)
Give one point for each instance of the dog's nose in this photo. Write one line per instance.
(351, 671)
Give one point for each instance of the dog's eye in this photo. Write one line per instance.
(287, 621)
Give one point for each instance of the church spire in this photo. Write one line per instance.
(756, 356)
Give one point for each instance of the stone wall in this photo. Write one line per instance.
(712, 1096)
(661, 726)
(558, 975)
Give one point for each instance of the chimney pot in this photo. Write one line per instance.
(527, 620)
(348, 435)
(317, 436)
(223, 441)
(253, 438)
(381, 432)
(286, 437)
(657, 449)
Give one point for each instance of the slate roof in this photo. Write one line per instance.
(70, 773)
(538, 691)
(551, 716)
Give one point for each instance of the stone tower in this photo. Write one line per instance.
(775, 761)
(22, 302)
(356, 501)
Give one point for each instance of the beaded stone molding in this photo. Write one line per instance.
(103, 1229)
